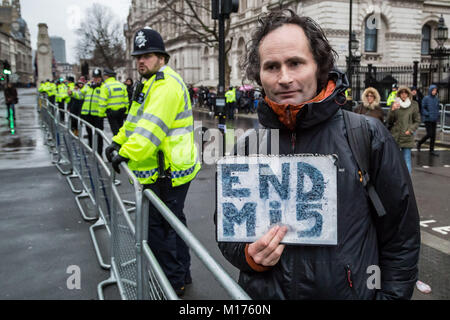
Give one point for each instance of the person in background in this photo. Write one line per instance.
(76, 104)
(430, 111)
(370, 105)
(417, 96)
(392, 95)
(11, 99)
(157, 143)
(129, 83)
(404, 119)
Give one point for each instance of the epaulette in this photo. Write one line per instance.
(159, 76)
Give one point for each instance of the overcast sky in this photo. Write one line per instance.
(63, 16)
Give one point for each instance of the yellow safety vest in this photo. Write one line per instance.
(70, 86)
(391, 98)
(61, 92)
(114, 95)
(90, 105)
(51, 89)
(230, 95)
(163, 121)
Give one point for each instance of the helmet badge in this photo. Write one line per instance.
(140, 39)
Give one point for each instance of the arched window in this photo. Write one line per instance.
(370, 34)
(426, 39)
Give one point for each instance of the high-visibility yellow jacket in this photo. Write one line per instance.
(61, 92)
(163, 121)
(51, 89)
(230, 95)
(90, 105)
(391, 98)
(70, 86)
(114, 95)
(41, 87)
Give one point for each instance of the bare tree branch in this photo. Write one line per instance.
(99, 40)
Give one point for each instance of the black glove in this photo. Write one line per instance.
(117, 160)
(109, 150)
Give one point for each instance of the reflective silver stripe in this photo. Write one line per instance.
(184, 115)
(116, 104)
(149, 135)
(180, 131)
(186, 97)
(154, 119)
(144, 174)
(104, 99)
(133, 119)
(128, 133)
(117, 96)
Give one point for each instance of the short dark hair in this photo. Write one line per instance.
(324, 55)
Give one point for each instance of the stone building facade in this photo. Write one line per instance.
(390, 32)
(15, 45)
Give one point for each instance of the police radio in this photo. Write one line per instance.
(138, 95)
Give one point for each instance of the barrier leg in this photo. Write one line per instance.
(100, 223)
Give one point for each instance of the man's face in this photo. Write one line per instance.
(148, 64)
(434, 91)
(287, 67)
(97, 80)
(414, 92)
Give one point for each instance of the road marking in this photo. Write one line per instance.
(435, 242)
(426, 167)
(446, 166)
(426, 222)
(442, 230)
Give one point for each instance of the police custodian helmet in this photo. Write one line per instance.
(96, 72)
(147, 40)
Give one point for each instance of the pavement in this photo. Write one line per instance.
(44, 241)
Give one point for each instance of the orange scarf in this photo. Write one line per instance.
(287, 113)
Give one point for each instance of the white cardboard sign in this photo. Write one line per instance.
(255, 193)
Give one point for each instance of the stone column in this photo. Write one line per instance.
(44, 55)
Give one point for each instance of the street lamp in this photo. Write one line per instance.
(353, 46)
(441, 32)
(441, 36)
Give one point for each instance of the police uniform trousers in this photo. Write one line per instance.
(75, 109)
(97, 122)
(169, 249)
(61, 106)
(116, 119)
(230, 109)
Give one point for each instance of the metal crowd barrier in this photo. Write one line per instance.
(120, 209)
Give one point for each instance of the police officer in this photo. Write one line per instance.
(114, 99)
(392, 95)
(230, 96)
(91, 111)
(157, 141)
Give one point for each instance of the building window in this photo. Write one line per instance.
(426, 39)
(370, 37)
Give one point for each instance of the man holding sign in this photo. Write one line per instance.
(311, 231)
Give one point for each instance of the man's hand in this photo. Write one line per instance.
(408, 133)
(267, 250)
(110, 149)
(117, 160)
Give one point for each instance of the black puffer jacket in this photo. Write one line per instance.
(391, 242)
